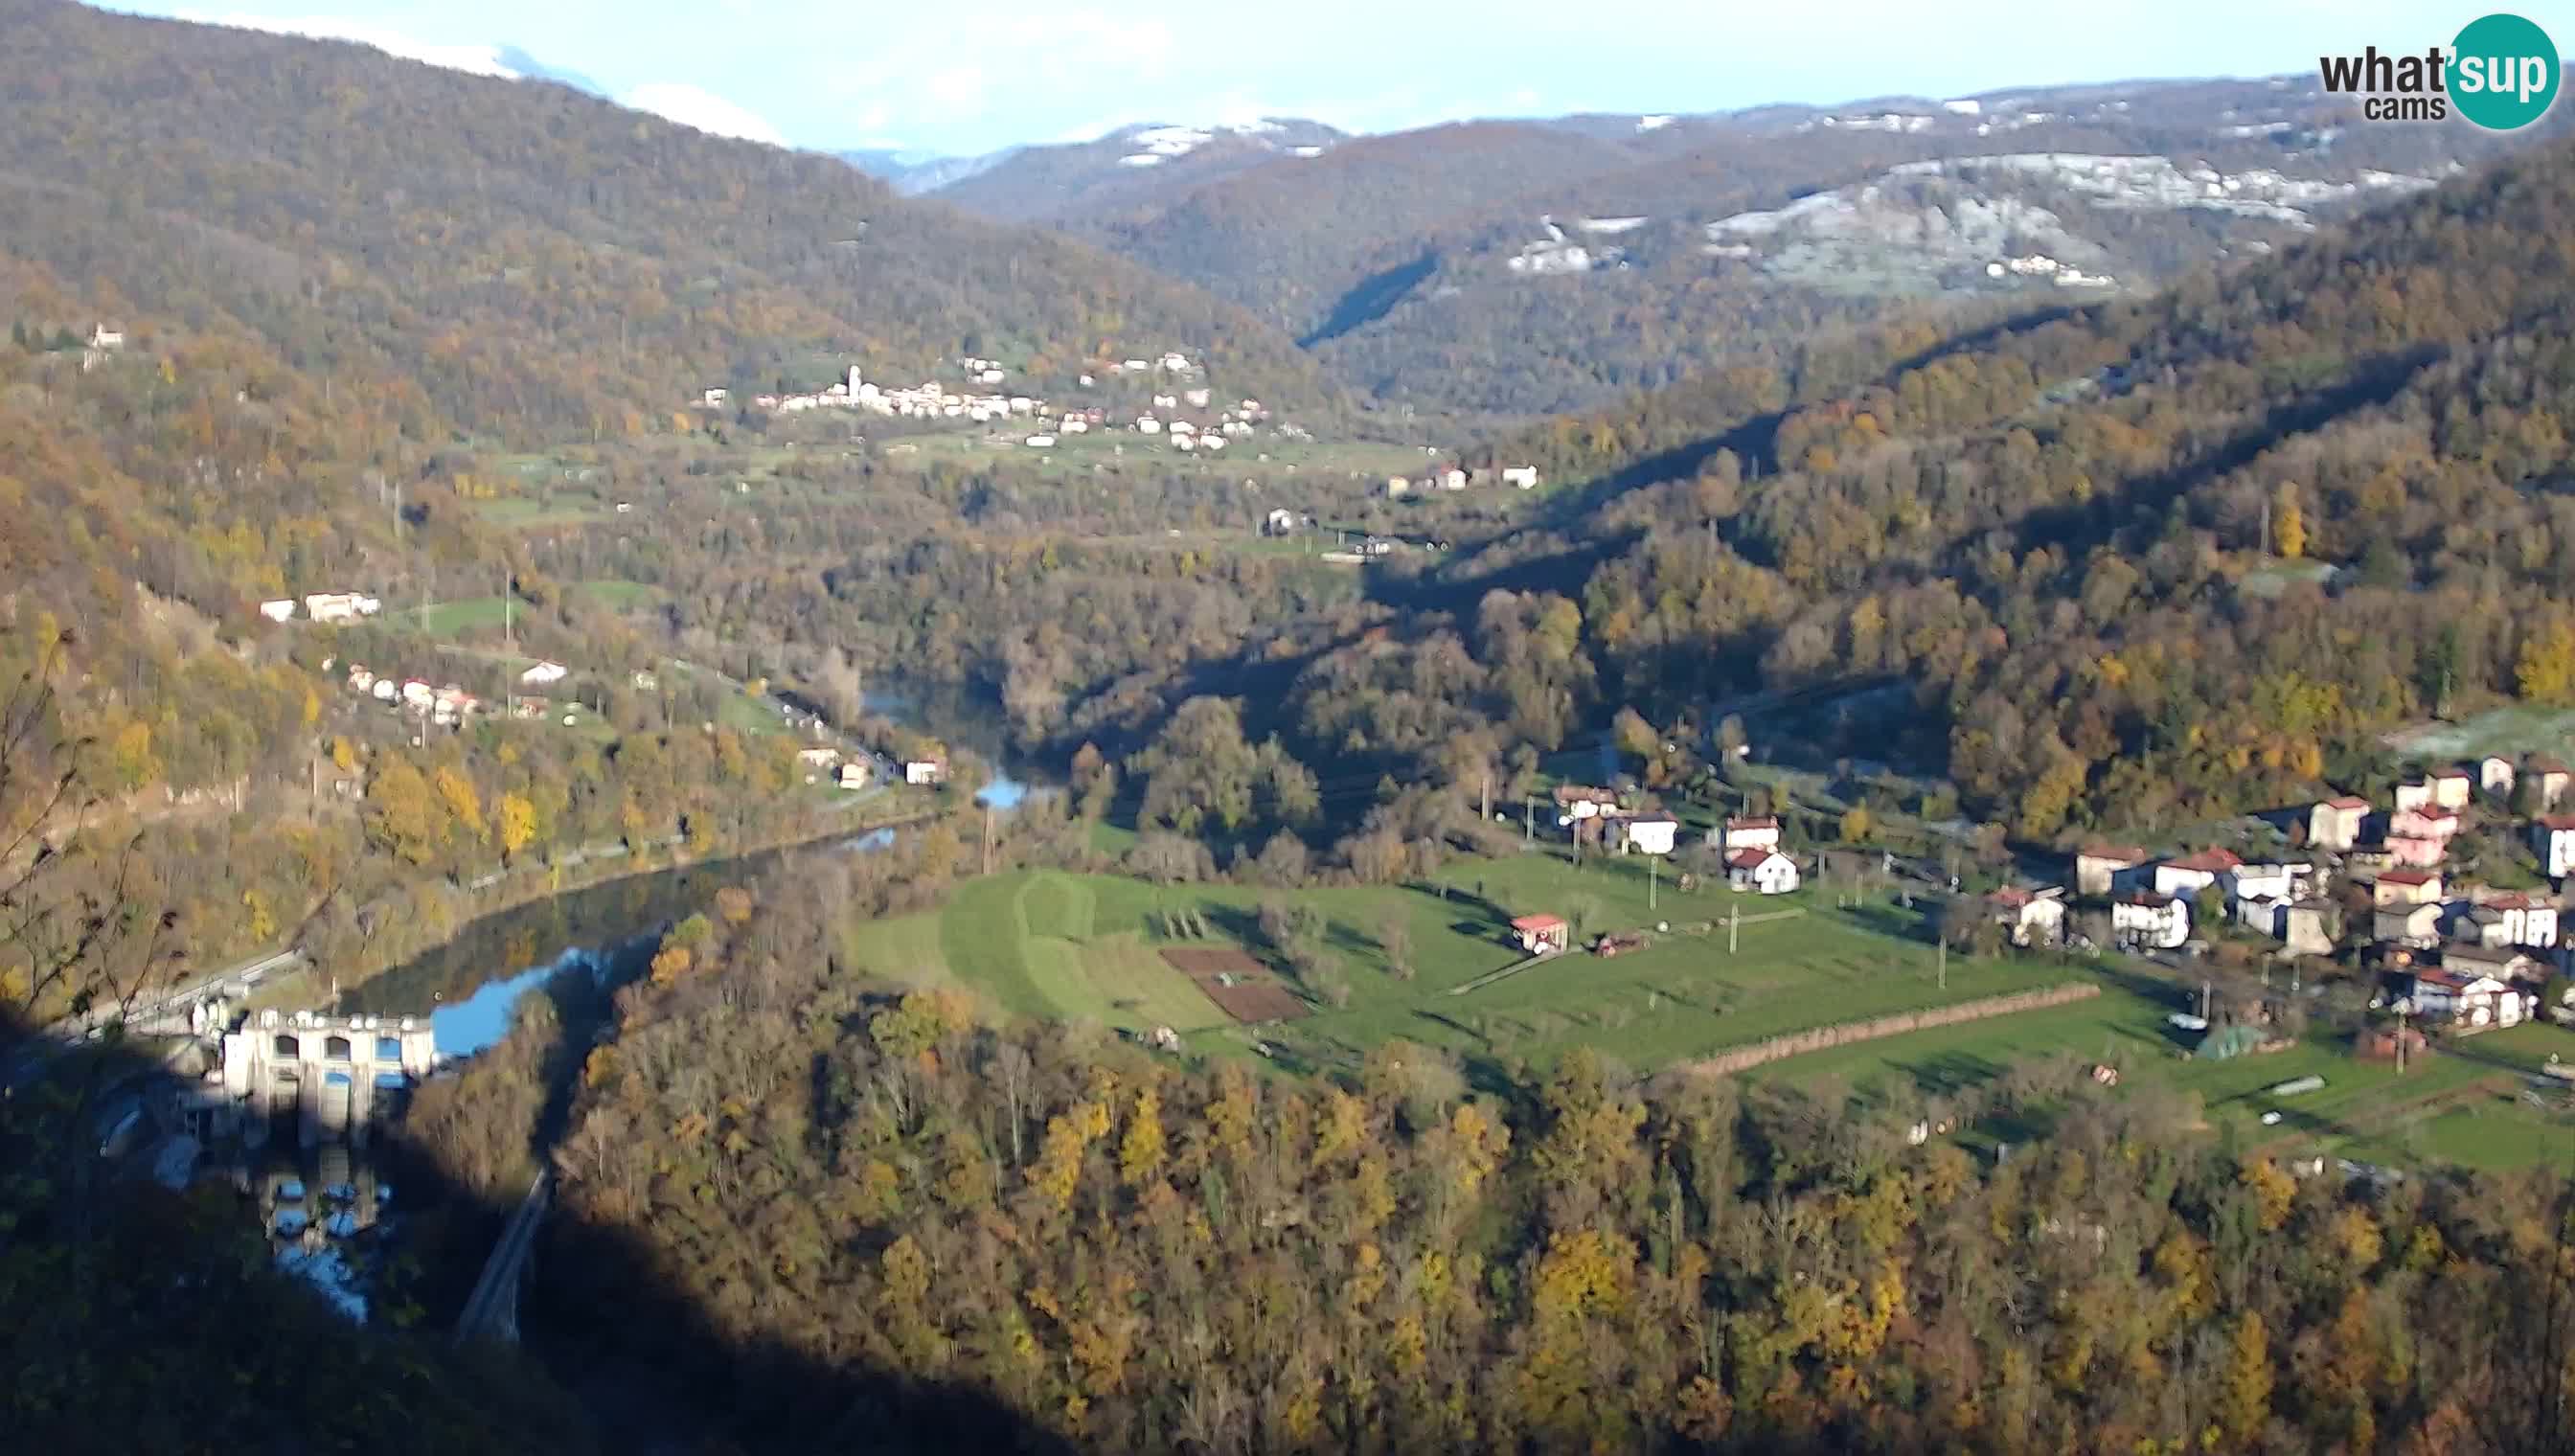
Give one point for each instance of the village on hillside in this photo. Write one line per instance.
(2379, 885)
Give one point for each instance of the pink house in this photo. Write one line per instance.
(2416, 854)
(2428, 821)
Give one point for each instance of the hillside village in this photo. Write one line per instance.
(1177, 388)
(2393, 891)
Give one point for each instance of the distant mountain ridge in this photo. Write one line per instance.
(1550, 263)
(1126, 166)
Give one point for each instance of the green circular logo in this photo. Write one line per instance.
(2503, 72)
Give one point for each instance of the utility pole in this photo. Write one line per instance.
(1485, 813)
(1529, 818)
(1945, 963)
(2267, 527)
(1649, 884)
(1733, 926)
(987, 839)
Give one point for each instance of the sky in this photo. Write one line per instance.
(970, 78)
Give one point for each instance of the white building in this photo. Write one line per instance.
(2272, 881)
(2552, 839)
(340, 605)
(544, 672)
(2466, 999)
(1396, 487)
(2192, 874)
(1649, 834)
(924, 772)
(1766, 871)
(280, 611)
(1522, 476)
(1041, 442)
(1759, 832)
(2151, 919)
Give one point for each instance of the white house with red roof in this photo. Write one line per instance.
(2465, 998)
(1766, 870)
(2191, 873)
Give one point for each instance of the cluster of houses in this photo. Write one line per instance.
(850, 771)
(2450, 951)
(977, 403)
(1459, 477)
(1748, 845)
(449, 706)
(324, 607)
(446, 707)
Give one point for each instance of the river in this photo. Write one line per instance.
(471, 986)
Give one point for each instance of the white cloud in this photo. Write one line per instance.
(698, 107)
(478, 60)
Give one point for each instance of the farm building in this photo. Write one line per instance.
(1543, 934)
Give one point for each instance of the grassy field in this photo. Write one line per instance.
(2460, 1105)
(476, 614)
(2506, 731)
(1083, 946)
(1074, 455)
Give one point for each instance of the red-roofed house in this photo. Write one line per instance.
(2406, 887)
(2415, 853)
(2431, 821)
(1766, 870)
(2104, 869)
(2466, 999)
(2527, 919)
(2191, 873)
(2030, 916)
(1543, 934)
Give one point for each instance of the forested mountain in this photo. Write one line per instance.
(539, 261)
(1527, 267)
(2055, 531)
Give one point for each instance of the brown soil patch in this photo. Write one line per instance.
(1240, 986)
(1197, 961)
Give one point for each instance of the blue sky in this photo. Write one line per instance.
(959, 78)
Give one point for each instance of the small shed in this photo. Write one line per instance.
(1543, 934)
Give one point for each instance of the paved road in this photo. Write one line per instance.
(492, 1310)
(147, 1011)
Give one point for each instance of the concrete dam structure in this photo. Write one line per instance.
(338, 1074)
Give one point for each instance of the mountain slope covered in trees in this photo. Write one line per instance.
(540, 260)
(2055, 531)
